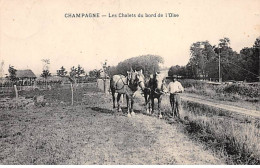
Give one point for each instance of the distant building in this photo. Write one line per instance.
(25, 77)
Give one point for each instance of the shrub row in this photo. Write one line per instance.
(234, 89)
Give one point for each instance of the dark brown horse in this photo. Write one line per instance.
(155, 88)
(126, 85)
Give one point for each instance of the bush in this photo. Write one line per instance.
(234, 137)
(243, 90)
(227, 92)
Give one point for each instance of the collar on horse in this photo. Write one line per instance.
(132, 85)
(154, 88)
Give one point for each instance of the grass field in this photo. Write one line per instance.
(90, 132)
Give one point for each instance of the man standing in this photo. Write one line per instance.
(175, 88)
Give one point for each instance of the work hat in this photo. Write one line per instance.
(174, 76)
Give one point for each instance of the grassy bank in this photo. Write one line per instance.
(231, 136)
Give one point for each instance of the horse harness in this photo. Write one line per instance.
(122, 81)
(128, 84)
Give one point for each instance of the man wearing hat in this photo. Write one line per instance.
(175, 88)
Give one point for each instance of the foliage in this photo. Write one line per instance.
(231, 92)
(62, 72)
(244, 90)
(204, 61)
(79, 71)
(45, 74)
(94, 73)
(76, 72)
(202, 56)
(177, 70)
(112, 71)
(148, 63)
(12, 73)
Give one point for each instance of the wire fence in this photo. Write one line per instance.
(52, 95)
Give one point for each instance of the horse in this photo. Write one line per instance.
(155, 88)
(126, 85)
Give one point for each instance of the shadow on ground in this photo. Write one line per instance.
(102, 110)
(107, 111)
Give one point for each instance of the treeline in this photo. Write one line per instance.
(76, 73)
(204, 62)
(148, 63)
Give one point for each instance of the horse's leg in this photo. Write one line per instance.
(149, 104)
(118, 102)
(128, 105)
(132, 106)
(146, 102)
(113, 96)
(152, 101)
(159, 106)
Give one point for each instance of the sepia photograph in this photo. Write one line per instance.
(137, 82)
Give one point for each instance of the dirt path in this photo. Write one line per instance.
(141, 140)
(144, 140)
(254, 113)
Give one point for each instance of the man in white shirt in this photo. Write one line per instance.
(175, 88)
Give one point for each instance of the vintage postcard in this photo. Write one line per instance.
(138, 82)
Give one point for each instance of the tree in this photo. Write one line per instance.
(177, 70)
(204, 61)
(148, 63)
(73, 72)
(256, 47)
(248, 65)
(79, 71)
(45, 74)
(201, 55)
(112, 71)
(62, 72)
(76, 72)
(12, 73)
(224, 43)
(94, 73)
(46, 63)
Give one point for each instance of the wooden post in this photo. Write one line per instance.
(16, 96)
(71, 93)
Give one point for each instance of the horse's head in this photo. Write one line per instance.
(136, 78)
(159, 83)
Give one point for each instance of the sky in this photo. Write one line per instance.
(32, 30)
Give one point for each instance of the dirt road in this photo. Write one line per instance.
(253, 113)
